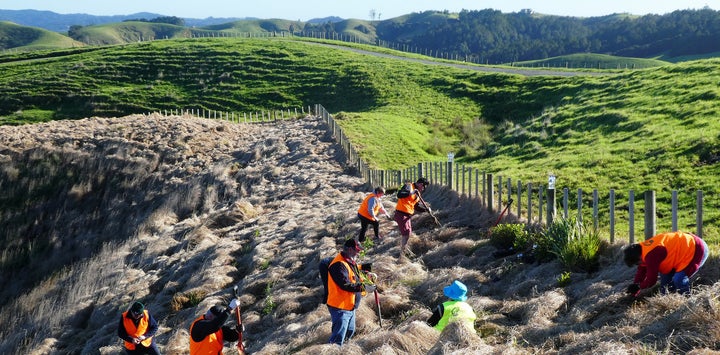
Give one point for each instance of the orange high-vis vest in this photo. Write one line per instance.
(136, 331)
(680, 250)
(211, 345)
(407, 204)
(363, 210)
(338, 297)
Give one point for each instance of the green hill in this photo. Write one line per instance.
(643, 129)
(592, 61)
(129, 32)
(24, 38)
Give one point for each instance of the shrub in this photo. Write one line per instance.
(504, 236)
(572, 243)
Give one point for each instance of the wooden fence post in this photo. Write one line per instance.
(698, 218)
(595, 210)
(500, 192)
(529, 196)
(612, 216)
(650, 218)
(550, 205)
(674, 207)
(631, 216)
(579, 205)
(519, 198)
(490, 192)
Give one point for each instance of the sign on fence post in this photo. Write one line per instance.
(450, 157)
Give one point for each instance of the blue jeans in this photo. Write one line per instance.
(679, 281)
(343, 325)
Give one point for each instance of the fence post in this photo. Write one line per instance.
(566, 193)
(579, 205)
(484, 184)
(550, 205)
(529, 196)
(674, 210)
(477, 183)
(612, 216)
(631, 216)
(490, 192)
(540, 202)
(449, 173)
(463, 181)
(500, 192)
(698, 218)
(650, 218)
(519, 199)
(595, 209)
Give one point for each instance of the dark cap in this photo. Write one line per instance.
(353, 244)
(425, 182)
(137, 308)
(214, 311)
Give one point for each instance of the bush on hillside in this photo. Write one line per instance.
(572, 243)
(504, 236)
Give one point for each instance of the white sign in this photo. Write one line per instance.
(551, 182)
(450, 157)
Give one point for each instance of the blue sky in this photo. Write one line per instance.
(307, 9)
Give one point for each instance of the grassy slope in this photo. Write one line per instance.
(592, 60)
(649, 129)
(24, 38)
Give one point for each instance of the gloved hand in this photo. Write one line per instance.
(372, 276)
(370, 288)
(633, 289)
(234, 303)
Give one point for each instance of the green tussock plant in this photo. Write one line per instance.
(504, 236)
(572, 243)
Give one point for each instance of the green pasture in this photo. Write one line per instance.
(650, 129)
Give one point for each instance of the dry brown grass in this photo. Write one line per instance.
(175, 211)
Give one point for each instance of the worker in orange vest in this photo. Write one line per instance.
(369, 213)
(137, 328)
(209, 332)
(408, 197)
(345, 290)
(676, 256)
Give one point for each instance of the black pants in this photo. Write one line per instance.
(363, 227)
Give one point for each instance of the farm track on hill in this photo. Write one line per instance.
(526, 72)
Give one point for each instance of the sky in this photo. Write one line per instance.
(305, 10)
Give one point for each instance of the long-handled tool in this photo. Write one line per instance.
(240, 326)
(510, 201)
(437, 222)
(377, 304)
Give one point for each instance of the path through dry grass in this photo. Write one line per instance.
(175, 211)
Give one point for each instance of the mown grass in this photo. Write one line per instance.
(651, 129)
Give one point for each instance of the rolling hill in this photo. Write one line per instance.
(23, 38)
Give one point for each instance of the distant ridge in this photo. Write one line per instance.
(61, 22)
